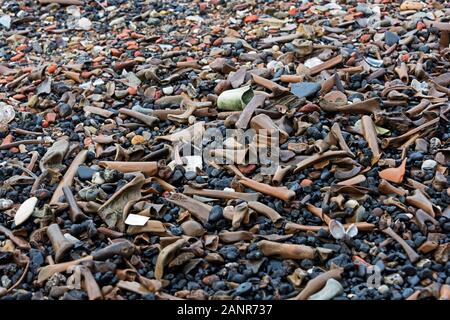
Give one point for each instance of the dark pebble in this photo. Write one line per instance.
(243, 289)
(85, 173)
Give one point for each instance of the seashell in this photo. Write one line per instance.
(25, 211)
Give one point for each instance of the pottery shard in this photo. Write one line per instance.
(333, 99)
(394, 174)
(25, 211)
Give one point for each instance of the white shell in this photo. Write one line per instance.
(352, 230)
(25, 211)
(336, 229)
(7, 113)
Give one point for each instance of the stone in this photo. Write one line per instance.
(243, 289)
(383, 289)
(429, 165)
(137, 139)
(25, 211)
(36, 260)
(5, 281)
(305, 89)
(84, 24)
(190, 175)
(64, 110)
(5, 21)
(192, 228)
(85, 173)
(393, 279)
(216, 213)
(167, 90)
(391, 38)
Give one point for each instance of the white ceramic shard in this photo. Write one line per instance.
(136, 220)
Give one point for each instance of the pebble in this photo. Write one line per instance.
(85, 173)
(167, 90)
(36, 260)
(190, 175)
(192, 228)
(429, 165)
(305, 89)
(216, 213)
(393, 279)
(5, 281)
(383, 289)
(243, 289)
(84, 24)
(391, 38)
(5, 21)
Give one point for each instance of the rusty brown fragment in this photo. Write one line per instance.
(47, 271)
(235, 236)
(280, 174)
(394, 174)
(149, 168)
(364, 107)
(220, 194)
(370, 135)
(337, 134)
(311, 160)
(19, 242)
(414, 111)
(266, 211)
(318, 212)
(352, 181)
(92, 288)
(396, 141)
(166, 255)
(419, 200)
(245, 116)
(386, 188)
(121, 247)
(148, 120)
(282, 193)
(265, 126)
(326, 65)
(152, 226)
(7, 146)
(327, 85)
(286, 250)
(412, 255)
(98, 111)
(110, 233)
(270, 85)
(69, 175)
(196, 208)
(75, 214)
(318, 283)
(402, 72)
(291, 78)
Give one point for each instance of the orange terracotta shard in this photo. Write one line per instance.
(394, 174)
